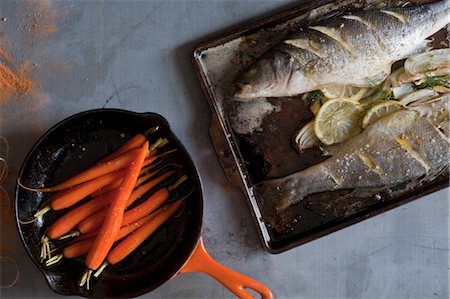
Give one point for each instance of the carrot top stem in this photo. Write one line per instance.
(151, 130)
(177, 183)
(149, 167)
(19, 182)
(42, 211)
(71, 234)
(28, 221)
(187, 195)
(45, 248)
(158, 143)
(165, 153)
(150, 160)
(85, 279)
(54, 260)
(101, 269)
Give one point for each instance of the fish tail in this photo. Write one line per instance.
(278, 194)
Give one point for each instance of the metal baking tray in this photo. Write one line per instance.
(268, 151)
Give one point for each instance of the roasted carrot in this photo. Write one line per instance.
(93, 222)
(151, 203)
(135, 142)
(107, 188)
(80, 248)
(144, 175)
(147, 166)
(84, 243)
(130, 243)
(93, 172)
(139, 212)
(90, 215)
(113, 219)
(148, 206)
(127, 229)
(67, 198)
(70, 220)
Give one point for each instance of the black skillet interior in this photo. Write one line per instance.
(68, 148)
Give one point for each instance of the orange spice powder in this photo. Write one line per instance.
(39, 19)
(14, 83)
(5, 55)
(37, 22)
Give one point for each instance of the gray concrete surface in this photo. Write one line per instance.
(136, 55)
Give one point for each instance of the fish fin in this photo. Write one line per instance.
(378, 78)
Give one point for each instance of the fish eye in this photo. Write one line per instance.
(252, 72)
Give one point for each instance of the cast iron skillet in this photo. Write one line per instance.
(76, 143)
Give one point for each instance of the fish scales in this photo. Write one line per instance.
(401, 147)
(357, 49)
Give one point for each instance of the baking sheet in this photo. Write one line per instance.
(254, 140)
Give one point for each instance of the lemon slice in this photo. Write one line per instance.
(337, 120)
(343, 91)
(380, 110)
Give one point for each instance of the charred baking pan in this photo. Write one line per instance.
(267, 152)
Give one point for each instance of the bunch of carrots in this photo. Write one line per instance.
(101, 222)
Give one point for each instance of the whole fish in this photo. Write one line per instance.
(401, 147)
(354, 49)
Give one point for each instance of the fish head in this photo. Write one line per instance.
(266, 77)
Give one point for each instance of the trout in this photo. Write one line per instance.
(405, 146)
(353, 49)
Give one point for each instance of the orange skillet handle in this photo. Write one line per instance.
(201, 261)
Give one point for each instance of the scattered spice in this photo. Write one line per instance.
(14, 83)
(39, 19)
(37, 22)
(4, 55)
